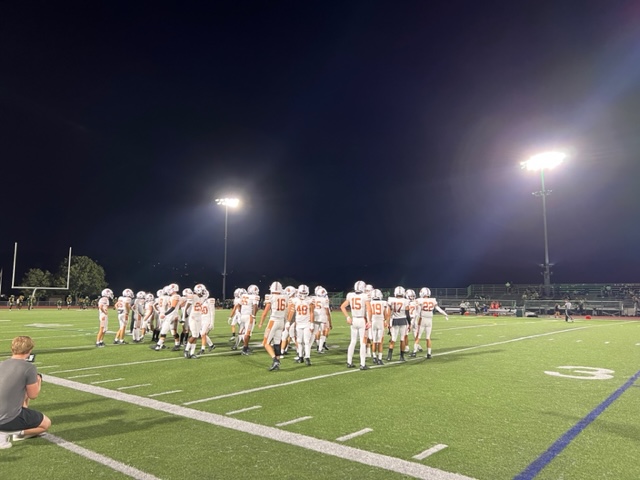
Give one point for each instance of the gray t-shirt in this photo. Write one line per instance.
(15, 375)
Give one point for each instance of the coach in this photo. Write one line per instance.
(19, 383)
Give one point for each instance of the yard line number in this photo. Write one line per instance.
(586, 373)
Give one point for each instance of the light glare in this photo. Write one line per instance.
(228, 202)
(544, 160)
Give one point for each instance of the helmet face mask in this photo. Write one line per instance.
(320, 291)
(140, 294)
(410, 294)
(303, 291)
(253, 290)
(160, 293)
(107, 292)
(149, 297)
(290, 291)
(127, 292)
(199, 289)
(187, 291)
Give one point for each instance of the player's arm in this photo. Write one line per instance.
(327, 311)
(312, 309)
(343, 307)
(292, 309)
(174, 304)
(34, 389)
(267, 307)
(446, 315)
(367, 306)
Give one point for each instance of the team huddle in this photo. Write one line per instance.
(295, 319)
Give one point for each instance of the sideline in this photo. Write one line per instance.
(370, 459)
(96, 457)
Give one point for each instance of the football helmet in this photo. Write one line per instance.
(160, 293)
(140, 294)
(149, 297)
(303, 291)
(127, 292)
(253, 290)
(290, 291)
(199, 289)
(276, 287)
(398, 291)
(174, 288)
(107, 292)
(359, 286)
(376, 294)
(410, 294)
(187, 291)
(368, 288)
(237, 292)
(320, 291)
(425, 292)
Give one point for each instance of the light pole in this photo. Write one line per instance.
(542, 161)
(226, 203)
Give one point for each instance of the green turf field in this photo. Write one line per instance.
(497, 394)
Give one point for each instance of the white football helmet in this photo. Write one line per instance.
(127, 292)
(376, 294)
(359, 286)
(107, 292)
(290, 291)
(140, 294)
(187, 291)
(149, 297)
(160, 293)
(320, 291)
(174, 288)
(303, 291)
(368, 288)
(253, 290)
(410, 294)
(237, 292)
(425, 292)
(199, 289)
(276, 287)
(398, 292)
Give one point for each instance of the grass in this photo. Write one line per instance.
(485, 395)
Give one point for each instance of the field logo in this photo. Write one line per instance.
(588, 373)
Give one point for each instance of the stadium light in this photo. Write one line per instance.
(542, 161)
(226, 203)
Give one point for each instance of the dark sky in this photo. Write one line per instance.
(374, 140)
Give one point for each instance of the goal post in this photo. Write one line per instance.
(29, 287)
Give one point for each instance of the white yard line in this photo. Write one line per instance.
(96, 457)
(354, 435)
(430, 451)
(134, 386)
(291, 422)
(87, 375)
(242, 410)
(398, 465)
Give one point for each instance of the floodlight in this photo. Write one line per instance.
(544, 160)
(226, 203)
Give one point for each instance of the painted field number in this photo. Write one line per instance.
(587, 373)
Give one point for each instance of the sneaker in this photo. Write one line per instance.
(193, 357)
(186, 354)
(350, 365)
(428, 356)
(307, 361)
(364, 367)
(5, 441)
(122, 342)
(18, 437)
(326, 347)
(388, 358)
(175, 348)
(159, 347)
(412, 354)
(321, 351)
(274, 366)
(212, 347)
(116, 342)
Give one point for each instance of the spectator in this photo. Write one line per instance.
(19, 383)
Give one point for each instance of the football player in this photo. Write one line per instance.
(247, 308)
(301, 312)
(322, 317)
(360, 306)
(169, 317)
(234, 316)
(193, 302)
(289, 331)
(123, 307)
(399, 322)
(413, 314)
(103, 315)
(277, 303)
(380, 314)
(149, 312)
(186, 305)
(208, 318)
(138, 314)
(426, 305)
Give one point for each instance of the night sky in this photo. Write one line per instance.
(373, 140)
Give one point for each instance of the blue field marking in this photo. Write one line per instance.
(554, 450)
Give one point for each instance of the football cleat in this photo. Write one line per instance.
(364, 367)
(350, 365)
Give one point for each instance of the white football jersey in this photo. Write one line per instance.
(378, 309)
(426, 306)
(302, 308)
(358, 303)
(398, 305)
(321, 304)
(247, 302)
(279, 304)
